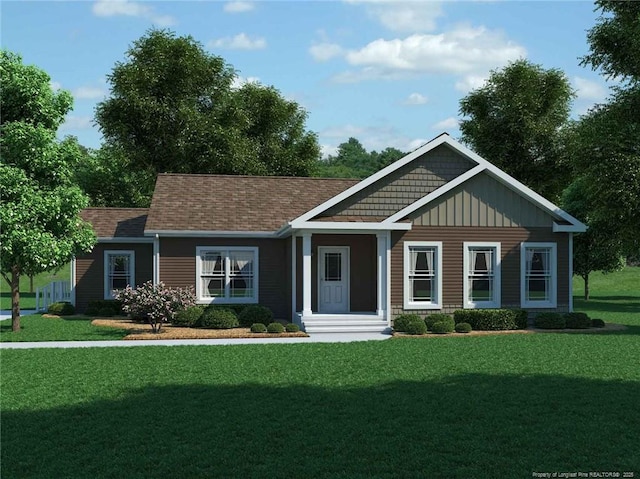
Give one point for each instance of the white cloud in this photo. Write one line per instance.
(239, 82)
(89, 93)
(589, 90)
(471, 82)
(399, 16)
(322, 52)
(110, 8)
(416, 99)
(240, 42)
(328, 150)
(77, 123)
(446, 124)
(238, 7)
(55, 85)
(464, 50)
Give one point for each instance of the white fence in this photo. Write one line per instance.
(52, 293)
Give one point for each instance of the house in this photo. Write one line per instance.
(438, 230)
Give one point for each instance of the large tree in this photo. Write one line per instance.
(596, 249)
(41, 229)
(514, 121)
(606, 142)
(354, 161)
(174, 108)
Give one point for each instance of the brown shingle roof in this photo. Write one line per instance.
(235, 203)
(116, 222)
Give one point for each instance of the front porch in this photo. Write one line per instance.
(340, 281)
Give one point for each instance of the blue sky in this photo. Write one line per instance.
(388, 73)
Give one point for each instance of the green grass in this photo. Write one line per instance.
(74, 328)
(452, 407)
(27, 298)
(615, 297)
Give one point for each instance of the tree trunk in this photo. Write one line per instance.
(586, 287)
(31, 284)
(15, 299)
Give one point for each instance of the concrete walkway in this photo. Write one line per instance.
(6, 314)
(313, 338)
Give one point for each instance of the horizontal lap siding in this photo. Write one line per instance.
(178, 267)
(453, 256)
(90, 270)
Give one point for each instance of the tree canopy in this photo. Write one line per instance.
(354, 161)
(514, 121)
(41, 229)
(174, 108)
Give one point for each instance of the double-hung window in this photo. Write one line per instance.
(482, 275)
(538, 267)
(422, 275)
(227, 274)
(119, 268)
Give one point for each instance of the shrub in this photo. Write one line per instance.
(61, 308)
(492, 319)
(255, 314)
(442, 327)
(463, 328)
(106, 312)
(275, 328)
(213, 318)
(258, 328)
(597, 323)
(291, 328)
(577, 320)
(416, 326)
(155, 302)
(188, 317)
(433, 318)
(94, 306)
(400, 323)
(550, 321)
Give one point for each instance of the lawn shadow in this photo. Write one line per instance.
(470, 425)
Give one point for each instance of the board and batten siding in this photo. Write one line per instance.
(90, 270)
(178, 267)
(405, 185)
(453, 281)
(482, 201)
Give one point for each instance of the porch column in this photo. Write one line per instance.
(381, 285)
(306, 274)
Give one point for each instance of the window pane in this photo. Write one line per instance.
(332, 267)
(213, 287)
(481, 290)
(538, 289)
(212, 262)
(538, 274)
(119, 264)
(481, 260)
(422, 260)
(422, 290)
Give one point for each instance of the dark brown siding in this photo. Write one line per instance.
(90, 270)
(362, 269)
(452, 258)
(178, 267)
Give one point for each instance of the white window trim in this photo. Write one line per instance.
(206, 300)
(437, 304)
(497, 282)
(132, 269)
(553, 287)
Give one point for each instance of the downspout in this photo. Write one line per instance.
(156, 259)
(72, 280)
(571, 272)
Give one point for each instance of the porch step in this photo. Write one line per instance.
(345, 326)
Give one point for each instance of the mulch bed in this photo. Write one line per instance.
(607, 327)
(168, 331)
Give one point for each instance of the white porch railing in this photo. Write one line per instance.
(52, 293)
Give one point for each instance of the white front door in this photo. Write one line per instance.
(333, 279)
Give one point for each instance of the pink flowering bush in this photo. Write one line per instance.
(155, 303)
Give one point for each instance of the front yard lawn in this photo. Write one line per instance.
(483, 407)
(35, 327)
